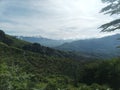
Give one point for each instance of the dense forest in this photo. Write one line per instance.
(23, 68)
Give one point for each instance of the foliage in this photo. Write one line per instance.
(112, 8)
(24, 70)
(13, 78)
(4, 39)
(104, 72)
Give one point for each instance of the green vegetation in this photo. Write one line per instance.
(112, 8)
(31, 66)
(24, 66)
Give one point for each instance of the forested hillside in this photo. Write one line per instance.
(71, 55)
(23, 68)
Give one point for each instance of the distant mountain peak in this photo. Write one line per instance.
(43, 41)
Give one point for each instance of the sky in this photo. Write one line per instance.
(54, 19)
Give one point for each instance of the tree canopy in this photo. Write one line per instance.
(112, 8)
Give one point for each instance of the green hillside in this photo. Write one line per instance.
(27, 66)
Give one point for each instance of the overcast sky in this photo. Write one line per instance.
(56, 19)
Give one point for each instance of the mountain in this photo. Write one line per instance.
(44, 41)
(44, 47)
(100, 47)
(31, 66)
(38, 48)
(23, 68)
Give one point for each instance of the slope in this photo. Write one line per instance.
(22, 69)
(105, 47)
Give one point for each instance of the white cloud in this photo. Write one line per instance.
(57, 19)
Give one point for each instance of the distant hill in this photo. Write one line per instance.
(31, 66)
(100, 47)
(44, 41)
(40, 49)
(25, 65)
(47, 46)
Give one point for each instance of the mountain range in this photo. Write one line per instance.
(43, 41)
(102, 47)
(31, 66)
(105, 47)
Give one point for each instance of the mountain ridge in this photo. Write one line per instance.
(31, 68)
(43, 41)
(106, 46)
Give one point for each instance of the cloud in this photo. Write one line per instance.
(57, 19)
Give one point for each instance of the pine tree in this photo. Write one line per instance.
(112, 8)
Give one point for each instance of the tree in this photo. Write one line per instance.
(2, 34)
(5, 39)
(112, 8)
